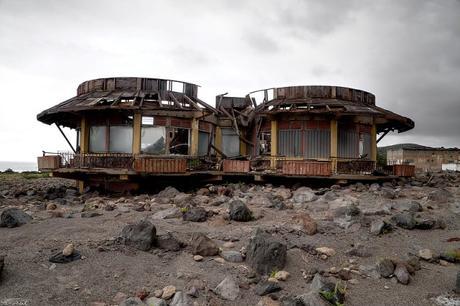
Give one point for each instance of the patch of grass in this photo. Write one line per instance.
(4, 176)
(273, 273)
(184, 210)
(333, 296)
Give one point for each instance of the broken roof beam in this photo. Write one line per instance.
(191, 102)
(174, 99)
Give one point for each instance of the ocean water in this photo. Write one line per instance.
(18, 166)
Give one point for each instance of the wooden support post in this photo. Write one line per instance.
(137, 126)
(84, 135)
(334, 144)
(274, 143)
(243, 147)
(194, 138)
(218, 140)
(374, 142)
(81, 186)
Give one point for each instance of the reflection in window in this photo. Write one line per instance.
(203, 142)
(153, 140)
(121, 139)
(97, 138)
(179, 141)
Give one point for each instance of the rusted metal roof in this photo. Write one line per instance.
(126, 93)
(328, 100)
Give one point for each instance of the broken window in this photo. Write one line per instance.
(265, 139)
(97, 139)
(179, 141)
(153, 140)
(121, 139)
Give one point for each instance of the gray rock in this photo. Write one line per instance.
(239, 211)
(411, 206)
(153, 301)
(219, 200)
(168, 192)
(265, 254)
(195, 214)
(401, 273)
(266, 287)
(203, 245)
(13, 217)
(132, 301)
(379, 227)
(141, 235)
(385, 267)
(318, 282)
(304, 194)
(440, 196)
(169, 213)
(405, 220)
(168, 242)
(370, 271)
(388, 193)
(425, 224)
(232, 256)
(291, 301)
(228, 289)
(181, 299)
(183, 199)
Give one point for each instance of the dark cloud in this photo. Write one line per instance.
(405, 52)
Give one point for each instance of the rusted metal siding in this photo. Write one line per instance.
(48, 162)
(290, 143)
(404, 170)
(348, 143)
(160, 165)
(312, 168)
(317, 143)
(235, 166)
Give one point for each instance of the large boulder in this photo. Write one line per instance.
(385, 267)
(181, 299)
(195, 214)
(238, 211)
(265, 254)
(304, 194)
(440, 196)
(13, 217)
(203, 245)
(141, 235)
(168, 192)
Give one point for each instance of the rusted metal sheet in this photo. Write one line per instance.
(48, 162)
(310, 168)
(160, 165)
(404, 170)
(102, 160)
(236, 166)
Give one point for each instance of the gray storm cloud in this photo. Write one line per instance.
(405, 52)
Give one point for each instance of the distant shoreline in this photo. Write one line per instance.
(18, 166)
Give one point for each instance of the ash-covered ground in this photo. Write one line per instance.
(231, 244)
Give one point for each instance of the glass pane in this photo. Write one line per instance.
(153, 140)
(203, 141)
(121, 139)
(97, 139)
(230, 142)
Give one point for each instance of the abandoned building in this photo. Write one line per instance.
(131, 129)
(424, 159)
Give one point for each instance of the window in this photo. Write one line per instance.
(121, 139)
(153, 139)
(179, 141)
(265, 143)
(147, 120)
(203, 142)
(230, 142)
(97, 139)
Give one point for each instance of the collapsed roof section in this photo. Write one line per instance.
(327, 100)
(126, 93)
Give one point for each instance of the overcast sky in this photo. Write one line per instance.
(405, 52)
